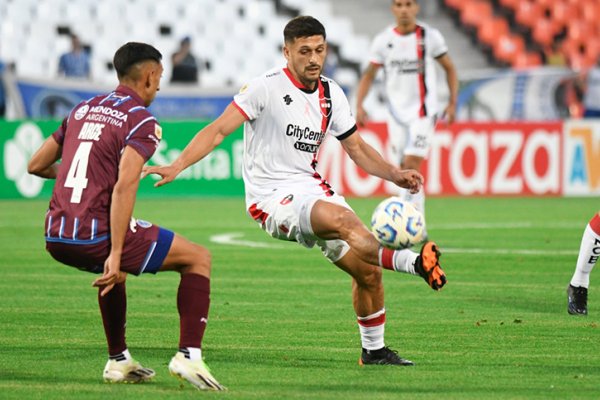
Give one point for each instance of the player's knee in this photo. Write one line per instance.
(198, 261)
(346, 221)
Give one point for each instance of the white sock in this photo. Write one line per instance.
(121, 357)
(192, 353)
(589, 252)
(398, 260)
(372, 328)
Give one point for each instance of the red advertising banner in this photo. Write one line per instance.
(465, 159)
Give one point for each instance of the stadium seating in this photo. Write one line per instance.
(535, 25)
(236, 39)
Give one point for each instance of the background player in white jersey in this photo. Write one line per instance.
(589, 252)
(407, 52)
(287, 113)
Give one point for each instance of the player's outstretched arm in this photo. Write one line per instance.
(43, 162)
(373, 163)
(201, 145)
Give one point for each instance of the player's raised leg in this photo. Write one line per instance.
(332, 221)
(193, 262)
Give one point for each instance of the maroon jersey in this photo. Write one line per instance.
(93, 137)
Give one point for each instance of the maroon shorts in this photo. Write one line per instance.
(144, 250)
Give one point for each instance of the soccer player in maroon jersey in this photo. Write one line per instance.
(103, 145)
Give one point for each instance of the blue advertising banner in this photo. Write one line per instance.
(44, 99)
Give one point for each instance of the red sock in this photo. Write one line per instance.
(386, 258)
(595, 224)
(113, 307)
(193, 300)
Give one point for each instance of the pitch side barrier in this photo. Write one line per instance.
(468, 159)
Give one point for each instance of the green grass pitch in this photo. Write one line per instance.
(282, 325)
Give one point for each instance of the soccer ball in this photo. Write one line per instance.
(397, 224)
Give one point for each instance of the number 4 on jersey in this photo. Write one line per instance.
(76, 177)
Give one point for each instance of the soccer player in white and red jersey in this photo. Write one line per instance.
(286, 114)
(103, 145)
(589, 252)
(406, 52)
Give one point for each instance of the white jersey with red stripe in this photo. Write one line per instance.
(286, 124)
(408, 64)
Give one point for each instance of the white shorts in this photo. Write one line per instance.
(286, 216)
(413, 139)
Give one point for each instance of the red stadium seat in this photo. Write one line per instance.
(527, 60)
(544, 30)
(564, 14)
(590, 11)
(580, 31)
(528, 13)
(507, 47)
(491, 30)
(476, 12)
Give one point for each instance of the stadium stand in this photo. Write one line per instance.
(33, 34)
(534, 25)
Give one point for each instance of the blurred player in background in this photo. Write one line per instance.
(103, 144)
(589, 252)
(286, 114)
(406, 52)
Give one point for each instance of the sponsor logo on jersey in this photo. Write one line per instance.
(287, 99)
(111, 112)
(81, 111)
(408, 66)
(306, 134)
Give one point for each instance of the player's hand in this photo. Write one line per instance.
(168, 173)
(450, 113)
(361, 116)
(409, 179)
(111, 276)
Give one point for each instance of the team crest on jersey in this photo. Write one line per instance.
(158, 131)
(325, 105)
(287, 99)
(81, 112)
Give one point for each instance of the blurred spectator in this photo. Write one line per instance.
(75, 63)
(2, 95)
(185, 67)
(591, 96)
(554, 55)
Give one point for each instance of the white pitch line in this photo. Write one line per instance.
(523, 252)
(232, 239)
(507, 225)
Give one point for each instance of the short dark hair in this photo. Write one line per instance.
(132, 53)
(303, 26)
